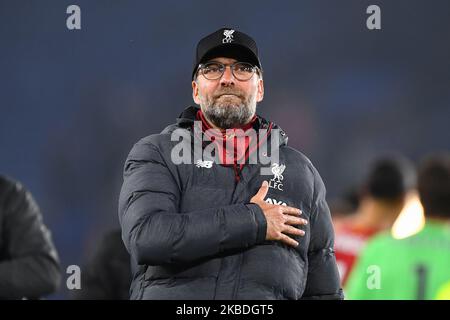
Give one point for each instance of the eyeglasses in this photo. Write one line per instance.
(242, 71)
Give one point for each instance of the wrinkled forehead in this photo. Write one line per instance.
(223, 60)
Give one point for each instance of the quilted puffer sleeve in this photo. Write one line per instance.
(156, 233)
(323, 280)
(29, 263)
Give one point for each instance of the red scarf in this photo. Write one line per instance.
(239, 144)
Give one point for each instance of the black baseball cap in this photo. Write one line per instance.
(229, 43)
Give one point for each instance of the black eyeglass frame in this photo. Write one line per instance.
(223, 66)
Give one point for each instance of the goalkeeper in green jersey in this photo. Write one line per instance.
(417, 267)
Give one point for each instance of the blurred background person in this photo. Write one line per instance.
(29, 264)
(416, 267)
(345, 205)
(382, 198)
(107, 276)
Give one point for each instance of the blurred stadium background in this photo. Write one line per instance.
(72, 103)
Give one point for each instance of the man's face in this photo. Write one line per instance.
(228, 102)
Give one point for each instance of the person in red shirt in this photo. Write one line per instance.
(382, 198)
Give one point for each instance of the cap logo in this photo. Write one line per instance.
(228, 36)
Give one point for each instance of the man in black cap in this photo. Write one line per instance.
(227, 98)
(219, 225)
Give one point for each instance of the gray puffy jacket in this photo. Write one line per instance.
(29, 263)
(192, 233)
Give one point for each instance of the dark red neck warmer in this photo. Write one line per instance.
(232, 152)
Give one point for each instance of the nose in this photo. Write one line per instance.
(227, 78)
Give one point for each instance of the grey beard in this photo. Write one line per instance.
(226, 117)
